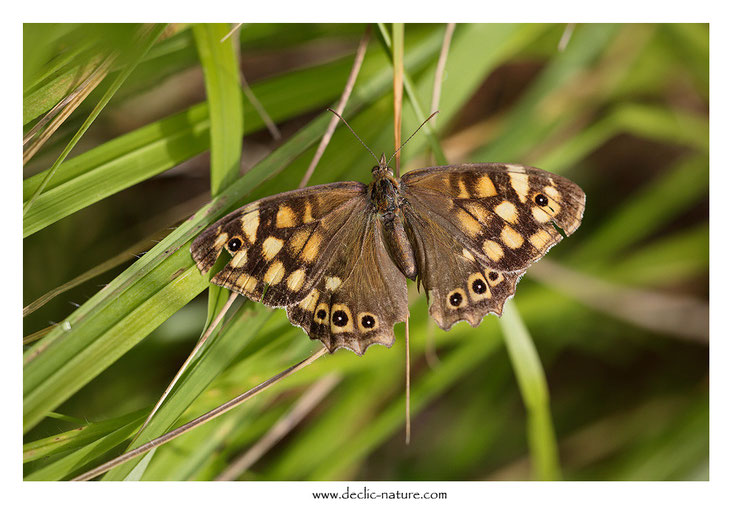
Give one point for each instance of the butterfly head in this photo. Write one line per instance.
(382, 170)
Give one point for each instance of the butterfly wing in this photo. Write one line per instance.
(280, 244)
(476, 228)
(361, 295)
(317, 251)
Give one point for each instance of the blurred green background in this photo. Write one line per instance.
(618, 312)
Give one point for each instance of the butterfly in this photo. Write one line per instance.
(337, 256)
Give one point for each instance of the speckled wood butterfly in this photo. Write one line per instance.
(337, 255)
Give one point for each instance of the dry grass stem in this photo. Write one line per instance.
(171, 435)
(307, 402)
(358, 59)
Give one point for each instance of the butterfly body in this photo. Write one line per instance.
(337, 255)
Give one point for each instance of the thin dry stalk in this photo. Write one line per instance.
(307, 402)
(259, 108)
(565, 38)
(360, 52)
(236, 27)
(397, 89)
(171, 435)
(63, 109)
(440, 68)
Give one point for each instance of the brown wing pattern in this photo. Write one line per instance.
(361, 295)
(318, 252)
(476, 229)
(506, 215)
(460, 287)
(280, 245)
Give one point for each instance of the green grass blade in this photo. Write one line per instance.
(214, 359)
(224, 97)
(659, 202)
(147, 41)
(533, 386)
(86, 454)
(76, 438)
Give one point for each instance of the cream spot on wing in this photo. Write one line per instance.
(296, 279)
(478, 287)
(221, 239)
(321, 307)
(478, 211)
(540, 240)
(246, 283)
(540, 215)
(307, 213)
(239, 259)
(467, 254)
(285, 217)
(493, 250)
(250, 223)
(520, 183)
(312, 248)
(484, 187)
(349, 326)
(309, 302)
(462, 192)
(270, 247)
(553, 193)
(511, 237)
(468, 223)
(332, 283)
(507, 211)
(297, 240)
(274, 274)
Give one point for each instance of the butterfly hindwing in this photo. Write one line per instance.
(460, 287)
(361, 295)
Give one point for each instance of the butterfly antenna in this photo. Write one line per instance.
(413, 134)
(355, 135)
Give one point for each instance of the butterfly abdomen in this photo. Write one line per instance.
(398, 245)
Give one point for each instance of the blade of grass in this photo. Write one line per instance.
(147, 41)
(224, 97)
(76, 438)
(92, 449)
(305, 404)
(200, 420)
(162, 223)
(533, 387)
(651, 207)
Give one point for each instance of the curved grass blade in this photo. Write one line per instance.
(148, 39)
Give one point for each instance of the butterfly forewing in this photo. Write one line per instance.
(508, 216)
(281, 244)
